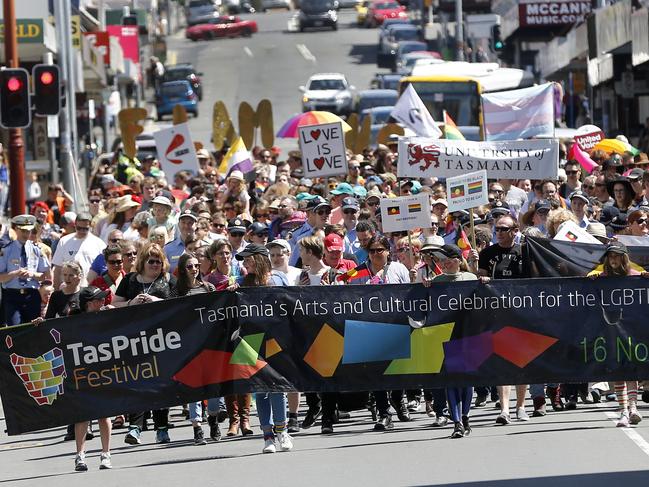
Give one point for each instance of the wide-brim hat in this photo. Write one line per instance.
(622, 180)
(125, 203)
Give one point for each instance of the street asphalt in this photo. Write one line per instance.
(575, 448)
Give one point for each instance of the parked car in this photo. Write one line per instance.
(405, 47)
(266, 4)
(328, 92)
(234, 7)
(177, 72)
(201, 11)
(224, 26)
(375, 98)
(317, 13)
(389, 43)
(386, 80)
(381, 10)
(347, 3)
(408, 61)
(174, 93)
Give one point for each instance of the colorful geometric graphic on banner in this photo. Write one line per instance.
(427, 351)
(272, 348)
(214, 367)
(520, 347)
(42, 376)
(247, 351)
(367, 341)
(469, 353)
(325, 352)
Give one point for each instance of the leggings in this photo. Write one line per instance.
(627, 394)
(459, 402)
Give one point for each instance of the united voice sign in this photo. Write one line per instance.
(323, 149)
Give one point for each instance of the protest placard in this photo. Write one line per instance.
(468, 191)
(405, 213)
(571, 232)
(587, 137)
(176, 150)
(323, 149)
(421, 157)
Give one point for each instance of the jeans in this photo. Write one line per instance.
(459, 402)
(215, 405)
(538, 390)
(267, 403)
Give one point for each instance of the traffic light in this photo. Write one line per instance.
(47, 89)
(497, 43)
(15, 106)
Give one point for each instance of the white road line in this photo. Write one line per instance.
(306, 54)
(632, 434)
(247, 50)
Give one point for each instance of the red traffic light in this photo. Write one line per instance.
(47, 78)
(14, 84)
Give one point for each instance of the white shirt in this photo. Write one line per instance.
(84, 251)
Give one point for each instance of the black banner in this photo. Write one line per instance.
(332, 338)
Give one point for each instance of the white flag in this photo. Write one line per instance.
(412, 112)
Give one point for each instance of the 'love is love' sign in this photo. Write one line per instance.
(323, 150)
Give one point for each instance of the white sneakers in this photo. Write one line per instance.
(104, 462)
(285, 443)
(81, 466)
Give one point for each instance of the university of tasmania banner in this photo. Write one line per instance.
(356, 338)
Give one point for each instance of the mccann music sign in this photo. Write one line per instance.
(539, 13)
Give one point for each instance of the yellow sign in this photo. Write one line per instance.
(130, 128)
(179, 114)
(358, 137)
(28, 31)
(76, 31)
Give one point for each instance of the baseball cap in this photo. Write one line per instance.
(635, 174)
(343, 188)
(440, 201)
(252, 249)
(24, 222)
(236, 225)
(188, 214)
(91, 293)
(608, 213)
(540, 205)
(350, 202)
(258, 227)
(334, 242)
(433, 243)
(616, 248)
(580, 195)
(279, 242)
(450, 251)
(317, 202)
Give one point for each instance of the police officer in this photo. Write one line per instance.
(22, 267)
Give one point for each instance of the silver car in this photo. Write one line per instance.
(201, 12)
(329, 92)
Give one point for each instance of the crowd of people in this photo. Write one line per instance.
(145, 237)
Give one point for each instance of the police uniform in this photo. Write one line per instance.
(22, 301)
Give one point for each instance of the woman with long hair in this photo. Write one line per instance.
(225, 272)
(616, 263)
(622, 192)
(122, 215)
(236, 190)
(149, 282)
(189, 282)
(256, 261)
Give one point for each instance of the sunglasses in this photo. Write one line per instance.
(282, 206)
(154, 262)
(262, 215)
(376, 251)
(350, 212)
(503, 229)
(130, 254)
(600, 185)
(497, 191)
(434, 224)
(376, 203)
(236, 234)
(114, 240)
(218, 225)
(82, 229)
(641, 221)
(403, 249)
(261, 234)
(115, 262)
(323, 212)
(571, 173)
(587, 186)
(189, 267)
(95, 201)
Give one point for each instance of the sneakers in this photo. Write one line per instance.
(465, 424)
(596, 394)
(269, 446)
(133, 436)
(89, 434)
(429, 409)
(458, 431)
(199, 436)
(539, 407)
(80, 463)
(285, 441)
(634, 417)
(327, 427)
(310, 417)
(440, 421)
(645, 395)
(480, 400)
(413, 406)
(571, 403)
(384, 423)
(623, 422)
(293, 424)
(503, 419)
(521, 415)
(162, 436)
(104, 462)
(402, 412)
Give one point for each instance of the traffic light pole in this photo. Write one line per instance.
(16, 144)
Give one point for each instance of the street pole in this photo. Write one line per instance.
(459, 31)
(16, 145)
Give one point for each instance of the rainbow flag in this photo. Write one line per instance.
(356, 273)
(475, 187)
(450, 129)
(414, 208)
(457, 191)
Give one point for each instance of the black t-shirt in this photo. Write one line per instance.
(61, 304)
(130, 287)
(501, 263)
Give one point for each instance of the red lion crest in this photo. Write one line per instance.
(424, 155)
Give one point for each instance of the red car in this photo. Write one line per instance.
(224, 26)
(384, 9)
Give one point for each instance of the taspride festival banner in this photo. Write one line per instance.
(329, 338)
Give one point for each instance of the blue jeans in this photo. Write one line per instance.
(214, 405)
(267, 401)
(538, 390)
(459, 402)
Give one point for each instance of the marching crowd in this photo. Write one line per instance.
(146, 238)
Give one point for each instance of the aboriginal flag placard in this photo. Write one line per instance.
(467, 191)
(405, 213)
(323, 339)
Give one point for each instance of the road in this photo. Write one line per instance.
(575, 448)
(272, 64)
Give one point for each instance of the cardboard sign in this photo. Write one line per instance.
(405, 213)
(467, 191)
(323, 150)
(422, 157)
(176, 150)
(571, 232)
(587, 137)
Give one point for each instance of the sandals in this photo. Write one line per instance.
(118, 422)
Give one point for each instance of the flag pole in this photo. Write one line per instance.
(472, 226)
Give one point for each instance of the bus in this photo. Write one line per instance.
(456, 86)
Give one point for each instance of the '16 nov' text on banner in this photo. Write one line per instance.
(323, 149)
(421, 157)
(323, 339)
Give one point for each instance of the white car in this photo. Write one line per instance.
(267, 4)
(329, 92)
